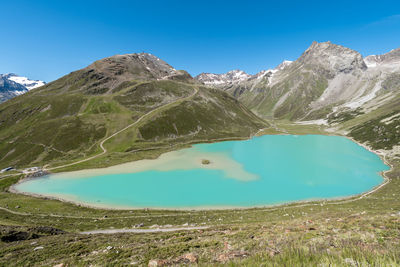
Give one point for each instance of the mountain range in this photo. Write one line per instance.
(328, 85)
(325, 80)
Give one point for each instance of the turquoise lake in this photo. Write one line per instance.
(265, 170)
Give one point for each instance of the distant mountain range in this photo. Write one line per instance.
(234, 77)
(12, 85)
(327, 85)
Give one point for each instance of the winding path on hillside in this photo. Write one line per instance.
(124, 129)
(141, 231)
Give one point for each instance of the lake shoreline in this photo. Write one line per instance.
(317, 201)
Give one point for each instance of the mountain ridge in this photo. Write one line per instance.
(324, 79)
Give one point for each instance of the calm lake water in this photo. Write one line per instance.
(265, 170)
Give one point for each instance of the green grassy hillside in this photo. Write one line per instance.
(66, 119)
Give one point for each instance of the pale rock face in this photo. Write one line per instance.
(372, 61)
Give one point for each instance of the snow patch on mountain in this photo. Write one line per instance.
(231, 77)
(371, 61)
(12, 85)
(29, 84)
(239, 76)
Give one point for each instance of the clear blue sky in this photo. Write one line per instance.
(48, 39)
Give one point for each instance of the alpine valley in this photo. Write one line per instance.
(131, 107)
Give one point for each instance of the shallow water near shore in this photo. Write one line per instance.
(265, 170)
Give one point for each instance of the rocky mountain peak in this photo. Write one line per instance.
(134, 66)
(237, 75)
(157, 65)
(332, 57)
(6, 84)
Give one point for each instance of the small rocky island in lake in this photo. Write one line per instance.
(205, 161)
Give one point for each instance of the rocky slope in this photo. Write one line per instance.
(67, 118)
(12, 85)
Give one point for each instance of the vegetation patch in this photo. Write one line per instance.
(344, 116)
(378, 133)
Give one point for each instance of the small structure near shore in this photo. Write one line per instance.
(34, 172)
(7, 169)
(31, 170)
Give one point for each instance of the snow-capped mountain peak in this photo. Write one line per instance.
(12, 85)
(233, 76)
(239, 76)
(24, 81)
